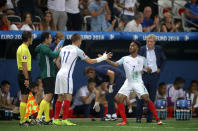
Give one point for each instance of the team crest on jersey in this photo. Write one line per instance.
(24, 57)
(84, 54)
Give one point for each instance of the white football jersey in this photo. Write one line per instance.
(133, 67)
(69, 55)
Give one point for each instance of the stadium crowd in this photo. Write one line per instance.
(96, 15)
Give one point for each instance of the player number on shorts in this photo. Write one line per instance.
(65, 56)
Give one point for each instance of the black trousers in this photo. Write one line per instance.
(74, 22)
(150, 81)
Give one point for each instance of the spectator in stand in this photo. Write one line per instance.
(161, 91)
(83, 6)
(128, 9)
(74, 16)
(152, 3)
(168, 25)
(11, 7)
(148, 24)
(192, 94)
(57, 8)
(3, 6)
(27, 6)
(85, 98)
(174, 92)
(5, 100)
(27, 22)
(4, 22)
(135, 25)
(191, 12)
(47, 22)
(97, 9)
(110, 26)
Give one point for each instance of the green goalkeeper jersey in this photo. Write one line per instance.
(46, 60)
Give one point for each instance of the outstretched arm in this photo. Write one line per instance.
(116, 64)
(99, 59)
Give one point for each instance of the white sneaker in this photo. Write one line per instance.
(107, 117)
(114, 117)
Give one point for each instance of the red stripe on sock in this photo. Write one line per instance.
(66, 109)
(152, 108)
(121, 109)
(57, 109)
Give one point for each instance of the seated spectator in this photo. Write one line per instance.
(192, 94)
(58, 37)
(3, 6)
(47, 22)
(148, 24)
(27, 22)
(135, 25)
(97, 9)
(191, 12)
(128, 9)
(110, 26)
(84, 98)
(168, 26)
(5, 101)
(161, 91)
(4, 23)
(175, 91)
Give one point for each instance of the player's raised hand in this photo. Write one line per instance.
(109, 55)
(96, 106)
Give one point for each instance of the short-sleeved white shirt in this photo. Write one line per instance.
(133, 67)
(83, 91)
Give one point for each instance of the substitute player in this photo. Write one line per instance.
(24, 75)
(47, 67)
(64, 81)
(133, 66)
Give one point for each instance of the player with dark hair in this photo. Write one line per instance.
(47, 67)
(64, 82)
(24, 75)
(133, 66)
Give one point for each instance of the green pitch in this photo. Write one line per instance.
(88, 125)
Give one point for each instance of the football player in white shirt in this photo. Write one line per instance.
(64, 82)
(84, 97)
(133, 66)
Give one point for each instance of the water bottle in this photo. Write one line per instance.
(179, 114)
(158, 112)
(182, 114)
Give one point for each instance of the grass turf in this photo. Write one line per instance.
(88, 125)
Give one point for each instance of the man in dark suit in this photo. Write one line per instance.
(155, 60)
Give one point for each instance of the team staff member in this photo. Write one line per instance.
(47, 67)
(156, 61)
(24, 75)
(115, 77)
